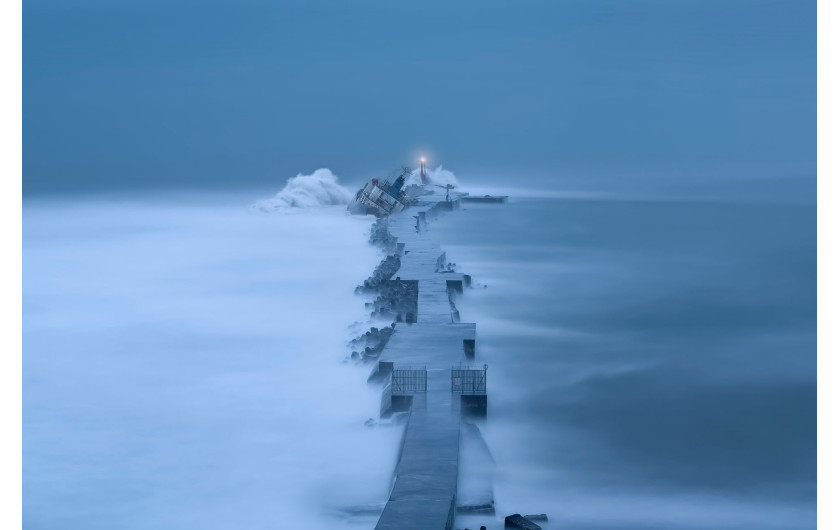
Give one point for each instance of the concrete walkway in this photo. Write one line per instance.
(426, 476)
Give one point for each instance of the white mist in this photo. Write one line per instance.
(183, 367)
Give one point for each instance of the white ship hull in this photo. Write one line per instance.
(378, 198)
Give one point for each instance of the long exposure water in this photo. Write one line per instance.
(652, 364)
(183, 368)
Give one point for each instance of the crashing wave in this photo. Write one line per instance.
(438, 176)
(321, 188)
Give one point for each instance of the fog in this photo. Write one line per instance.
(183, 366)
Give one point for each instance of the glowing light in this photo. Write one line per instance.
(423, 159)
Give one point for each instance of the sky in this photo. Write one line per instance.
(577, 94)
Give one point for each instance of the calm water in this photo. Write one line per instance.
(652, 364)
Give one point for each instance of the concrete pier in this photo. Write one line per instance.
(485, 198)
(424, 495)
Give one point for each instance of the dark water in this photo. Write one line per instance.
(652, 364)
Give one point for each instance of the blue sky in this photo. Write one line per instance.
(588, 94)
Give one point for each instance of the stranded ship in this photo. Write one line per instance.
(381, 197)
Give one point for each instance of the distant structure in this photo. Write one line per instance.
(380, 197)
(426, 365)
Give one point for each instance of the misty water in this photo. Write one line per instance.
(652, 363)
(183, 368)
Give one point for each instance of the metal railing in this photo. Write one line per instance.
(408, 381)
(467, 380)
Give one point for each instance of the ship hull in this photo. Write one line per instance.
(377, 198)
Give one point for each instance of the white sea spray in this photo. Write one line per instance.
(320, 188)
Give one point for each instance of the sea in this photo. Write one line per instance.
(651, 362)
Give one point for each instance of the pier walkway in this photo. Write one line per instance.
(424, 494)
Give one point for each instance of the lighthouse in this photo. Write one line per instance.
(423, 178)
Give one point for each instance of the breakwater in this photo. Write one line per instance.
(425, 364)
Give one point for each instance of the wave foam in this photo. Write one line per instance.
(438, 176)
(321, 188)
